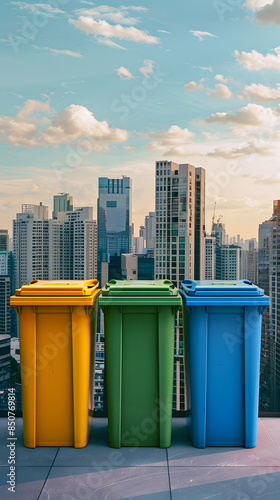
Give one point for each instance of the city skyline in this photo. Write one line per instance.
(103, 90)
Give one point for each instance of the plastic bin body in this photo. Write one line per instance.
(222, 341)
(57, 327)
(139, 352)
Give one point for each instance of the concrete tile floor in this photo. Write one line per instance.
(182, 472)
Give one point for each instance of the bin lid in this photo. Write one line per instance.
(57, 288)
(221, 288)
(138, 288)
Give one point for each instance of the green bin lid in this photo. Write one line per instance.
(138, 288)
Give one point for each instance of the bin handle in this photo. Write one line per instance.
(188, 283)
(167, 282)
(247, 282)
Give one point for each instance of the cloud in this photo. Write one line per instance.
(193, 85)
(17, 95)
(74, 124)
(163, 31)
(105, 30)
(124, 73)
(255, 147)
(260, 93)
(64, 52)
(210, 137)
(270, 13)
(147, 68)
(174, 141)
(202, 34)
(258, 179)
(221, 78)
(255, 61)
(130, 149)
(204, 68)
(44, 9)
(110, 43)
(118, 15)
(222, 92)
(257, 4)
(247, 119)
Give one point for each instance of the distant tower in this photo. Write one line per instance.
(114, 225)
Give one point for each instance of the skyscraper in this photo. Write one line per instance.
(210, 257)
(4, 240)
(55, 249)
(73, 254)
(62, 202)
(274, 286)
(150, 231)
(30, 243)
(180, 226)
(267, 366)
(199, 258)
(114, 224)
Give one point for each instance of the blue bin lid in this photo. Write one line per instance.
(221, 288)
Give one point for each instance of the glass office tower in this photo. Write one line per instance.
(114, 225)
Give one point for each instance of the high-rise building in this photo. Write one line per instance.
(74, 245)
(274, 286)
(137, 244)
(244, 265)
(210, 257)
(62, 248)
(7, 272)
(5, 363)
(30, 244)
(114, 224)
(5, 308)
(199, 258)
(180, 227)
(267, 365)
(150, 231)
(62, 202)
(252, 261)
(230, 262)
(4, 240)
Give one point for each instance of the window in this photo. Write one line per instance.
(111, 204)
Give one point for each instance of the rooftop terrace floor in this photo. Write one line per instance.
(181, 472)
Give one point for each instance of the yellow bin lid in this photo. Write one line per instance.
(58, 288)
(54, 293)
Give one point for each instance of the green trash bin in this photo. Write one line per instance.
(139, 319)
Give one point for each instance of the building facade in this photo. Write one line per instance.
(210, 257)
(180, 230)
(114, 224)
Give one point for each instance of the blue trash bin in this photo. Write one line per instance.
(222, 340)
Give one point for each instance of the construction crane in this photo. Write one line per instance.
(213, 218)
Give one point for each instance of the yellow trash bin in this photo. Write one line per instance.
(57, 328)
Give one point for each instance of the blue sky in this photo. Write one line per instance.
(92, 89)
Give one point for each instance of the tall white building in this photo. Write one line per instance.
(180, 227)
(230, 262)
(62, 248)
(176, 231)
(30, 243)
(150, 230)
